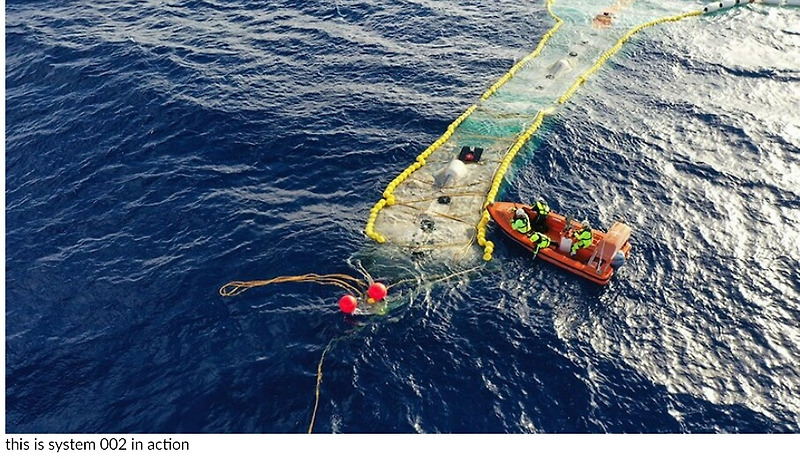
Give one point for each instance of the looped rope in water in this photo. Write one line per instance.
(344, 281)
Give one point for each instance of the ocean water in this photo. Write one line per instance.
(157, 150)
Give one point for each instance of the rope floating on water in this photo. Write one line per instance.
(319, 383)
(333, 341)
(344, 281)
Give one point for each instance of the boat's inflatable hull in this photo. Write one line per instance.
(592, 263)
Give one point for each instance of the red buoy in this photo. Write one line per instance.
(348, 304)
(469, 157)
(377, 291)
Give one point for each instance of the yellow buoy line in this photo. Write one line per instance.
(388, 198)
(617, 46)
(388, 194)
(487, 245)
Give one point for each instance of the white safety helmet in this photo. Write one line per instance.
(585, 223)
(520, 213)
(541, 200)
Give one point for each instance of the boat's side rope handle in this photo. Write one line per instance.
(388, 194)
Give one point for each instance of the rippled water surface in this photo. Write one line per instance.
(157, 150)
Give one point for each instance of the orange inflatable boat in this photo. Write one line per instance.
(596, 263)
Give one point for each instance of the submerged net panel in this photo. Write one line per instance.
(443, 221)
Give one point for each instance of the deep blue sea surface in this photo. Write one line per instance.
(157, 150)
